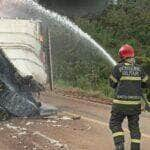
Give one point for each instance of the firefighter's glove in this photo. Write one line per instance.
(147, 106)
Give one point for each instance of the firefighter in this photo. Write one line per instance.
(128, 79)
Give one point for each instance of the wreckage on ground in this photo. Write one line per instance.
(22, 69)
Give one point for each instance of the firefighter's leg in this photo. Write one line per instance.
(115, 126)
(133, 123)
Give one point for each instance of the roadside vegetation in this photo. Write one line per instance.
(125, 22)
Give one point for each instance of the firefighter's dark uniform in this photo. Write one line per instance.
(128, 81)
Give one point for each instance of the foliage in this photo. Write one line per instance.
(125, 22)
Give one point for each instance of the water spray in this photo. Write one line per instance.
(65, 22)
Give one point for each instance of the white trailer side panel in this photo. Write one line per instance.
(20, 41)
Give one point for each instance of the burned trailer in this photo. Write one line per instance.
(22, 67)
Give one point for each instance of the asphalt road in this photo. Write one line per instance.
(79, 125)
(99, 114)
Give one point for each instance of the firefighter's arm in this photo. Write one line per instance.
(144, 80)
(114, 77)
(147, 103)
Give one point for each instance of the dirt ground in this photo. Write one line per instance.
(79, 125)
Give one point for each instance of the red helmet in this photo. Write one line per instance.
(126, 51)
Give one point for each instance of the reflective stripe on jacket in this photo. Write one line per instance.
(128, 81)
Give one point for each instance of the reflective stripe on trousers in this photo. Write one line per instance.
(126, 102)
(118, 134)
(135, 140)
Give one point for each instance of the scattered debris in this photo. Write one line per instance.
(51, 121)
(14, 137)
(25, 147)
(52, 141)
(20, 131)
(48, 110)
(57, 125)
(88, 127)
(76, 117)
(1, 128)
(65, 118)
(11, 127)
(29, 123)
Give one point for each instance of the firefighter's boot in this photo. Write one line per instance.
(120, 146)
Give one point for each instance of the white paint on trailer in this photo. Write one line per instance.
(19, 40)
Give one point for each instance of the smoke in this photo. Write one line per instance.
(64, 7)
(8, 8)
(76, 7)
